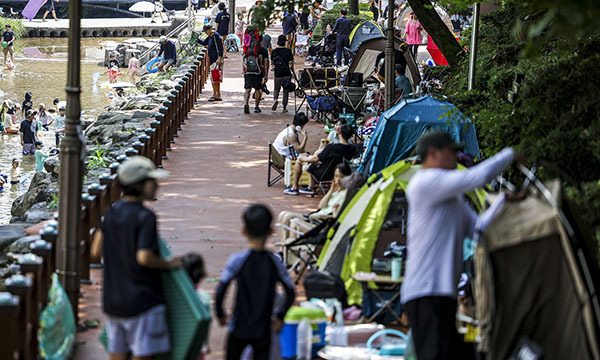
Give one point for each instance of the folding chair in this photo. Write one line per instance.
(322, 173)
(277, 164)
(190, 47)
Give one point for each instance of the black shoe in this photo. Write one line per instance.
(274, 107)
(246, 109)
(257, 110)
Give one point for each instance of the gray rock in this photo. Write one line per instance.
(10, 233)
(52, 165)
(39, 191)
(38, 213)
(167, 84)
(21, 246)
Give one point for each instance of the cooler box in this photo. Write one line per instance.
(288, 336)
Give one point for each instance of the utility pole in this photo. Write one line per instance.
(390, 57)
(232, 17)
(71, 168)
(474, 45)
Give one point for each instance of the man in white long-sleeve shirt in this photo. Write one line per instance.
(439, 219)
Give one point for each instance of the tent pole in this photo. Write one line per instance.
(474, 44)
(389, 57)
(71, 168)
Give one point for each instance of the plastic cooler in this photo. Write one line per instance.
(288, 336)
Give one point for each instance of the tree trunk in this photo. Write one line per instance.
(439, 32)
(353, 7)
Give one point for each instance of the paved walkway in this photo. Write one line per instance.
(217, 167)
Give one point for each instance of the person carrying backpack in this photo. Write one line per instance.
(283, 60)
(253, 68)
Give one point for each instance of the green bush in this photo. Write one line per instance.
(15, 24)
(344, 5)
(554, 118)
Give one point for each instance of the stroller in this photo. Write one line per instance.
(323, 53)
(232, 43)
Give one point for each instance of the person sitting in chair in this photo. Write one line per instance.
(342, 150)
(287, 143)
(329, 207)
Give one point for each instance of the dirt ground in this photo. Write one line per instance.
(218, 166)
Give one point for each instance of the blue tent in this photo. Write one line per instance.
(400, 128)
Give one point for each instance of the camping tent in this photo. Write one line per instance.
(365, 60)
(399, 129)
(536, 282)
(363, 32)
(374, 218)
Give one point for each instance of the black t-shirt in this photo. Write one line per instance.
(337, 150)
(8, 36)
(28, 135)
(281, 58)
(113, 62)
(129, 289)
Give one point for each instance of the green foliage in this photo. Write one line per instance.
(554, 118)
(329, 18)
(344, 5)
(52, 203)
(98, 158)
(15, 24)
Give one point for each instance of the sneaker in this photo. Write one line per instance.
(290, 191)
(257, 110)
(284, 110)
(275, 105)
(246, 109)
(307, 191)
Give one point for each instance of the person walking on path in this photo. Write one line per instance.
(289, 25)
(439, 219)
(9, 38)
(214, 44)
(133, 296)
(283, 61)
(413, 34)
(222, 22)
(50, 9)
(257, 272)
(133, 68)
(169, 52)
(158, 9)
(342, 41)
(28, 133)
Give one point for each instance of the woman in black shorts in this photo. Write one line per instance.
(50, 8)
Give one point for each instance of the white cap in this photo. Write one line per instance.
(138, 168)
(162, 39)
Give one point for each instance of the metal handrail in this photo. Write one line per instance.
(172, 33)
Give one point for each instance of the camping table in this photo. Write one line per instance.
(391, 285)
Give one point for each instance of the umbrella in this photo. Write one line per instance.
(142, 6)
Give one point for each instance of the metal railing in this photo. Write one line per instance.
(145, 56)
(26, 295)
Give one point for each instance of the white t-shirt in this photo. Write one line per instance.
(280, 145)
(439, 219)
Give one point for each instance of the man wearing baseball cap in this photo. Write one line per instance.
(169, 52)
(128, 239)
(28, 132)
(439, 219)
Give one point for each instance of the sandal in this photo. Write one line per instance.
(212, 98)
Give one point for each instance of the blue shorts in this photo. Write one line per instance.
(28, 149)
(145, 335)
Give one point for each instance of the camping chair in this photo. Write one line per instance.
(277, 164)
(321, 107)
(322, 173)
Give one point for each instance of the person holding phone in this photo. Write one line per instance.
(288, 143)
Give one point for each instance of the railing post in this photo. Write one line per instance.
(197, 72)
(162, 133)
(172, 118)
(87, 201)
(21, 286)
(32, 264)
(43, 249)
(184, 99)
(156, 155)
(177, 93)
(9, 310)
(152, 144)
(115, 188)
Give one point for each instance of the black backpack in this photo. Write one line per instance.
(325, 285)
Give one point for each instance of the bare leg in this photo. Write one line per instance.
(216, 90)
(54, 15)
(257, 97)
(247, 95)
(45, 14)
(297, 174)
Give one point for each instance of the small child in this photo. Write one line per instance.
(59, 126)
(193, 264)
(40, 157)
(257, 272)
(113, 74)
(27, 103)
(113, 62)
(133, 68)
(15, 172)
(239, 26)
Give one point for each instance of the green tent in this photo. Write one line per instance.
(374, 218)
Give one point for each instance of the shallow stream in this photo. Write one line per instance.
(41, 68)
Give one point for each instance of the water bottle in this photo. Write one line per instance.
(304, 340)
